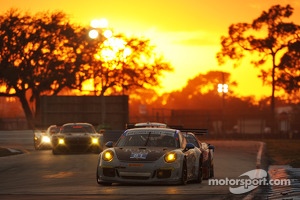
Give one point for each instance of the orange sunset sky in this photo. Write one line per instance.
(186, 32)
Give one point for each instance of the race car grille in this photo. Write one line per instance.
(78, 141)
(163, 173)
(135, 175)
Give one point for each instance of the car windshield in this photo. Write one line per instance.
(78, 129)
(148, 137)
(53, 130)
(191, 139)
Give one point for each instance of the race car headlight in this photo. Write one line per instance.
(61, 141)
(95, 141)
(45, 139)
(108, 155)
(170, 157)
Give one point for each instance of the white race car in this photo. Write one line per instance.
(151, 155)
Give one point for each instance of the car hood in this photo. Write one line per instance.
(139, 153)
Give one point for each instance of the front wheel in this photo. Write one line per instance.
(55, 151)
(206, 171)
(36, 145)
(200, 172)
(100, 182)
(184, 173)
(104, 183)
(212, 171)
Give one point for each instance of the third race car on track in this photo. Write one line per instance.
(42, 139)
(151, 155)
(207, 152)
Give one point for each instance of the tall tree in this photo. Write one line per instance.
(269, 36)
(38, 54)
(289, 69)
(123, 64)
(200, 92)
(44, 53)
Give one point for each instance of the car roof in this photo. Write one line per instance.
(151, 125)
(75, 123)
(151, 130)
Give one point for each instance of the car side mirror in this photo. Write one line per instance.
(189, 146)
(109, 144)
(211, 147)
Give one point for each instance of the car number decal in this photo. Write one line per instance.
(139, 155)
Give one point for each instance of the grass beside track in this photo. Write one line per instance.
(283, 151)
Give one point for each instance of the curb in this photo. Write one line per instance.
(9, 152)
(261, 148)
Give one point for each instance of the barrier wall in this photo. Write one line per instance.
(109, 112)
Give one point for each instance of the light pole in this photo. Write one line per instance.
(223, 88)
(99, 27)
(100, 30)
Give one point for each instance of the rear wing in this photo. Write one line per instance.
(196, 131)
(201, 131)
(129, 126)
(146, 125)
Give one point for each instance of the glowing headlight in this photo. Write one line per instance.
(170, 157)
(61, 141)
(108, 155)
(45, 139)
(95, 141)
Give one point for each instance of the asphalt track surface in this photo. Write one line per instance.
(41, 175)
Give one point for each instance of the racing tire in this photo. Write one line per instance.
(211, 167)
(97, 151)
(206, 170)
(36, 146)
(184, 173)
(212, 172)
(104, 183)
(200, 172)
(100, 182)
(55, 151)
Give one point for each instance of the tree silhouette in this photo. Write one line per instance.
(201, 91)
(268, 36)
(124, 64)
(45, 53)
(289, 69)
(40, 55)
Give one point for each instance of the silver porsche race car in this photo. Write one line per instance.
(77, 137)
(150, 155)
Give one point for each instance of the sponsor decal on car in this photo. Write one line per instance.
(139, 155)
